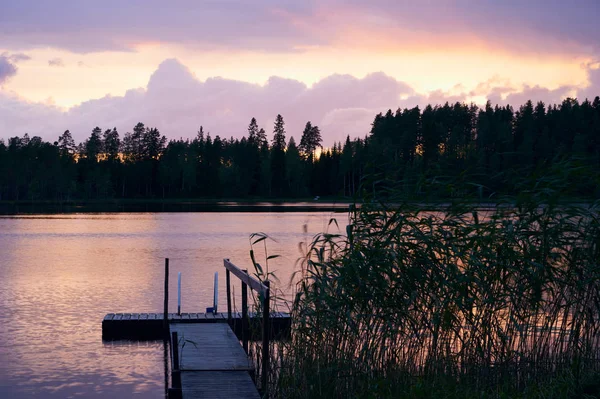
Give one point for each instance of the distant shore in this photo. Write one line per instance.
(329, 204)
(174, 205)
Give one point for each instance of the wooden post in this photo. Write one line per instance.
(176, 380)
(179, 294)
(245, 329)
(216, 294)
(265, 339)
(228, 283)
(166, 308)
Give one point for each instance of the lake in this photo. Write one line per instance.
(61, 273)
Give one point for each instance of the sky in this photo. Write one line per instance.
(177, 65)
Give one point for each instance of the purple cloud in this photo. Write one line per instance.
(56, 62)
(18, 57)
(177, 103)
(8, 67)
(593, 88)
(534, 26)
(533, 93)
(74, 24)
(274, 25)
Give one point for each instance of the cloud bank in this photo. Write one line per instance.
(539, 26)
(177, 103)
(8, 67)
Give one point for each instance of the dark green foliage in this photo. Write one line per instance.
(253, 132)
(279, 133)
(441, 153)
(112, 144)
(66, 144)
(94, 145)
(459, 301)
(152, 144)
(278, 164)
(310, 140)
(489, 147)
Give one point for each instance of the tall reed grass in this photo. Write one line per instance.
(460, 302)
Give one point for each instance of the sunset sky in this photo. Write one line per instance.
(177, 65)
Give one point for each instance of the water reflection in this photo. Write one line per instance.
(59, 275)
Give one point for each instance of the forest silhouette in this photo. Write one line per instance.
(439, 152)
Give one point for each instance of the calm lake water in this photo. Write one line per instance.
(60, 274)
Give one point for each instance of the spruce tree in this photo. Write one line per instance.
(93, 146)
(311, 139)
(66, 144)
(253, 132)
(279, 133)
(278, 173)
(112, 143)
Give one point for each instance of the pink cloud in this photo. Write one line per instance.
(177, 103)
(535, 26)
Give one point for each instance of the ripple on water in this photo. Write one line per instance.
(60, 274)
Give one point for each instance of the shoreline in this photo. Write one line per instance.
(8, 208)
(32, 207)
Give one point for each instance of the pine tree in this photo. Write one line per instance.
(112, 143)
(525, 134)
(279, 133)
(66, 144)
(138, 135)
(278, 173)
(261, 139)
(253, 132)
(311, 139)
(153, 143)
(93, 145)
(293, 167)
(429, 139)
(129, 147)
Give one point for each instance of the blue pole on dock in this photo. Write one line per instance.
(216, 293)
(179, 294)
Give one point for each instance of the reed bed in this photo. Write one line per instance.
(454, 303)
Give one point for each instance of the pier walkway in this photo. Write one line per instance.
(210, 351)
(212, 363)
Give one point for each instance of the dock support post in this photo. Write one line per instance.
(216, 294)
(265, 340)
(228, 284)
(166, 307)
(245, 328)
(176, 375)
(179, 294)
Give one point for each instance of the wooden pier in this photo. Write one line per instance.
(149, 326)
(209, 351)
(212, 363)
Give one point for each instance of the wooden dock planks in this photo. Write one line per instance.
(149, 326)
(218, 385)
(212, 363)
(209, 346)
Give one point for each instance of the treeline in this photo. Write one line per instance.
(142, 164)
(487, 149)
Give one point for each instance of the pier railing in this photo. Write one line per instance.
(264, 291)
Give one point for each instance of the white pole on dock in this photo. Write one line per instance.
(216, 291)
(179, 293)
